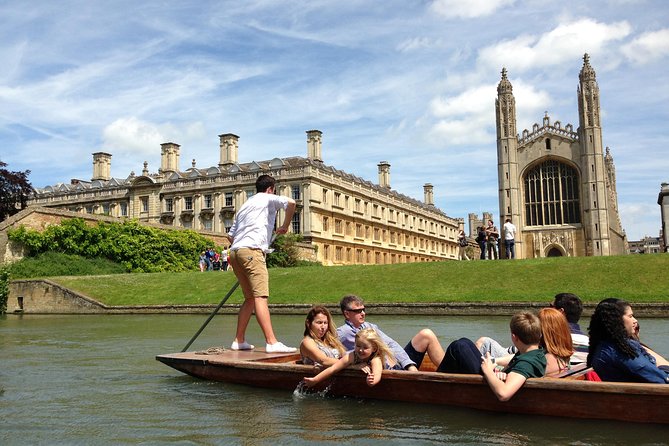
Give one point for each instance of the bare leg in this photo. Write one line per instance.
(426, 341)
(243, 318)
(263, 317)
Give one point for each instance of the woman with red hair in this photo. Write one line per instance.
(556, 341)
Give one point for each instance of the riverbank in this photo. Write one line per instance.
(636, 278)
(44, 296)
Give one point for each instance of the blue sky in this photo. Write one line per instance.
(408, 82)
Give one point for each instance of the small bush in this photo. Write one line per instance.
(286, 253)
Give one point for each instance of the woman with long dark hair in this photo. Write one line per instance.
(614, 352)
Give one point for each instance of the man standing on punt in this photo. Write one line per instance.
(250, 237)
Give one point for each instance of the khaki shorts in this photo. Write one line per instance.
(251, 271)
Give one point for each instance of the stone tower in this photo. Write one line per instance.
(555, 184)
(594, 202)
(507, 155)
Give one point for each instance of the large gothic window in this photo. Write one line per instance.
(551, 195)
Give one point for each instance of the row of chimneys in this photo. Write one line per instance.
(229, 154)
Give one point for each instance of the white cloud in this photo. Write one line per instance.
(468, 9)
(475, 100)
(648, 47)
(561, 44)
(461, 132)
(469, 118)
(131, 135)
(418, 43)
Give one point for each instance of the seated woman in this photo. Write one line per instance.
(660, 360)
(320, 345)
(614, 352)
(555, 340)
(370, 354)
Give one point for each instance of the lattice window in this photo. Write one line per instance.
(552, 195)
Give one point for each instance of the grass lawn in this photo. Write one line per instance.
(637, 278)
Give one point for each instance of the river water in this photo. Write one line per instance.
(88, 380)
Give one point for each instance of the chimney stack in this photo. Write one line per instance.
(169, 157)
(101, 166)
(314, 143)
(428, 192)
(229, 145)
(384, 174)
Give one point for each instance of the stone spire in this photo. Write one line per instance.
(506, 108)
(588, 96)
(504, 85)
(587, 72)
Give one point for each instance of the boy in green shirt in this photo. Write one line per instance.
(529, 362)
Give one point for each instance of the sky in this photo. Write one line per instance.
(409, 82)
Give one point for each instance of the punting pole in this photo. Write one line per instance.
(211, 316)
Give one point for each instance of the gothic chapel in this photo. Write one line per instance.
(555, 184)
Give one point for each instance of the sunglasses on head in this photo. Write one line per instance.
(357, 310)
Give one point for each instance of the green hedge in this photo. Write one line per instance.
(138, 248)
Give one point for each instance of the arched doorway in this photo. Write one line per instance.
(554, 252)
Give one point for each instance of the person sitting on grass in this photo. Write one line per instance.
(462, 356)
(370, 354)
(320, 345)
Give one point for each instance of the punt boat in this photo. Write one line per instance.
(569, 396)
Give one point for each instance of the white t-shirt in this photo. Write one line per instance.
(509, 231)
(255, 220)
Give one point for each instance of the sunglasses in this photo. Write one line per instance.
(357, 310)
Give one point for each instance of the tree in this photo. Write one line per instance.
(286, 253)
(15, 189)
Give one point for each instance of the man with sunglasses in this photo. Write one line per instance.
(409, 357)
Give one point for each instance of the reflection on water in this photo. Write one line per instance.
(94, 380)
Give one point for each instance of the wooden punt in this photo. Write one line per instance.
(570, 396)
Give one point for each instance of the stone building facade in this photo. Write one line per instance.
(556, 184)
(647, 245)
(345, 219)
(663, 201)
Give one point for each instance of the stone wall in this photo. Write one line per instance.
(46, 297)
